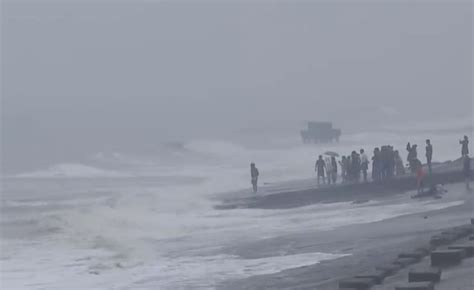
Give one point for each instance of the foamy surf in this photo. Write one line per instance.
(134, 243)
(72, 170)
(100, 224)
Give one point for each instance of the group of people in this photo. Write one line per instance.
(354, 166)
(386, 163)
(326, 168)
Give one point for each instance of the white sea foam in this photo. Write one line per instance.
(144, 233)
(72, 170)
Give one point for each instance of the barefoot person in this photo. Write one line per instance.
(254, 175)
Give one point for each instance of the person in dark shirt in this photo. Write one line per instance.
(320, 167)
(429, 154)
(376, 165)
(333, 170)
(412, 156)
(343, 164)
(467, 170)
(355, 165)
(364, 164)
(465, 146)
(254, 175)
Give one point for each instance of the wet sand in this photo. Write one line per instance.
(369, 245)
(443, 173)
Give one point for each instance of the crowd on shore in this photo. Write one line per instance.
(385, 163)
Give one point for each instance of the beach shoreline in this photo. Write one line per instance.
(369, 245)
(443, 173)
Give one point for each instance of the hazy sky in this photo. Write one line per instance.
(92, 75)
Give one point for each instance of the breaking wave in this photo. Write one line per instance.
(72, 170)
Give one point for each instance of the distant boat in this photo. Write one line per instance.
(320, 132)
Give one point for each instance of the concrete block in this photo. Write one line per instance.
(415, 286)
(424, 250)
(425, 274)
(462, 231)
(446, 257)
(403, 262)
(417, 255)
(377, 276)
(472, 221)
(356, 283)
(468, 248)
(439, 240)
(450, 236)
(471, 238)
(389, 269)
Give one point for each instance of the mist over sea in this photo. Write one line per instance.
(135, 220)
(125, 124)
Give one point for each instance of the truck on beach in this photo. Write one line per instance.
(320, 132)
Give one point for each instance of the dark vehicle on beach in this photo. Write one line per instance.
(320, 132)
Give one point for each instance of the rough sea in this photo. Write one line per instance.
(128, 221)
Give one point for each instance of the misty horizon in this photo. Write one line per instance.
(80, 78)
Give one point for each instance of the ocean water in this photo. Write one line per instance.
(121, 221)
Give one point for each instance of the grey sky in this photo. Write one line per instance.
(95, 75)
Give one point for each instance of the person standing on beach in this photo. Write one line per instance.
(328, 163)
(364, 164)
(349, 175)
(412, 156)
(420, 174)
(376, 165)
(254, 175)
(465, 146)
(333, 169)
(319, 168)
(467, 170)
(429, 154)
(343, 164)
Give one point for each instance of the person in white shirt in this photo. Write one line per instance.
(364, 163)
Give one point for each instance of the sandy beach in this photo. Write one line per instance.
(368, 245)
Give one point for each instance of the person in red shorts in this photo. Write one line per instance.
(420, 175)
